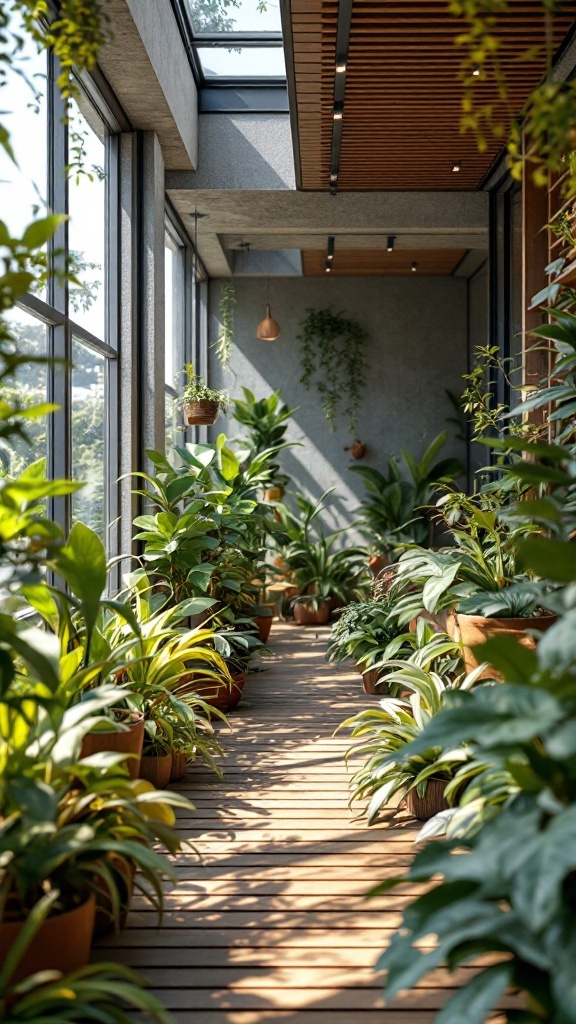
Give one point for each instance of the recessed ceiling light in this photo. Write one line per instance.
(476, 72)
(456, 168)
(414, 267)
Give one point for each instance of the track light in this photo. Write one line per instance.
(476, 72)
(338, 111)
(328, 268)
(414, 267)
(456, 167)
(334, 177)
(340, 66)
(390, 243)
(330, 255)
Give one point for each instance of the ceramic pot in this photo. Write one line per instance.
(128, 742)
(156, 769)
(264, 623)
(473, 631)
(179, 765)
(433, 801)
(273, 494)
(202, 413)
(62, 942)
(306, 615)
(104, 921)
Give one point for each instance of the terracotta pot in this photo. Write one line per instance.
(104, 921)
(376, 563)
(156, 769)
(357, 449)
(431, 803)
(369, 681)
(273, 494)
(62, 942)
(220, 694)
(129, 742)
(474, 630)
(306, 615)
(202, 413)
(264, 623)
(179, 765)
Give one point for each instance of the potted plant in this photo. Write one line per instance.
(201, 404)
(311, 609)
(122, 732)
(513, 612)
(384, 732)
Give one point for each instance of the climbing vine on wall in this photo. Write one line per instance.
(332, 350)
(225, 340)
(543, 140)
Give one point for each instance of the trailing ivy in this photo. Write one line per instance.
(225, 340)
(332, 351)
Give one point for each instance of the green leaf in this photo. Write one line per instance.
(551, 559)
(82, 563)
(40, 231)
(474, 1001)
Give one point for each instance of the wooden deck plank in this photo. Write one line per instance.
(272, 923)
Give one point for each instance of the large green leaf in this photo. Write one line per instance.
(82, 563)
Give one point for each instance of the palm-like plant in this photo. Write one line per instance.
(384, 732)
(394, 511)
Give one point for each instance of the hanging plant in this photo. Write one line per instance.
(225, 340)
(333, 355)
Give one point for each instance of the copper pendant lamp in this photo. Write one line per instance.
(268, 329)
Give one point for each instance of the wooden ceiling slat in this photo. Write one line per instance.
(401, 125)
(379, 263)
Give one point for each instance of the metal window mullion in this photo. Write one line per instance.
(60, 340)
(112, 424)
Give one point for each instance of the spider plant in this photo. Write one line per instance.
(385, 731)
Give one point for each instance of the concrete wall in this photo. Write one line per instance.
(417, 347)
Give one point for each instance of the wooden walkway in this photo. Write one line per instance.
(273, 925)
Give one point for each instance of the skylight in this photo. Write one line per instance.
(211, 16)
(243, 62)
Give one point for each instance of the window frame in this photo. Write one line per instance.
(55, 312)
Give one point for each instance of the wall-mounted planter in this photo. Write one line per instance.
(357, 449)
(202, 413)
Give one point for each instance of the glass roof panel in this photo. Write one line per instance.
(242, 62)
(235, 15)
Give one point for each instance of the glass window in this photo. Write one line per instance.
(87, 225)
(174, 309)
(28, 387)
(242, 62)
(88, 436)
(238, 16)
(23, 184)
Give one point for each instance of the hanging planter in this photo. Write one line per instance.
(201, 404)
(357, 449)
